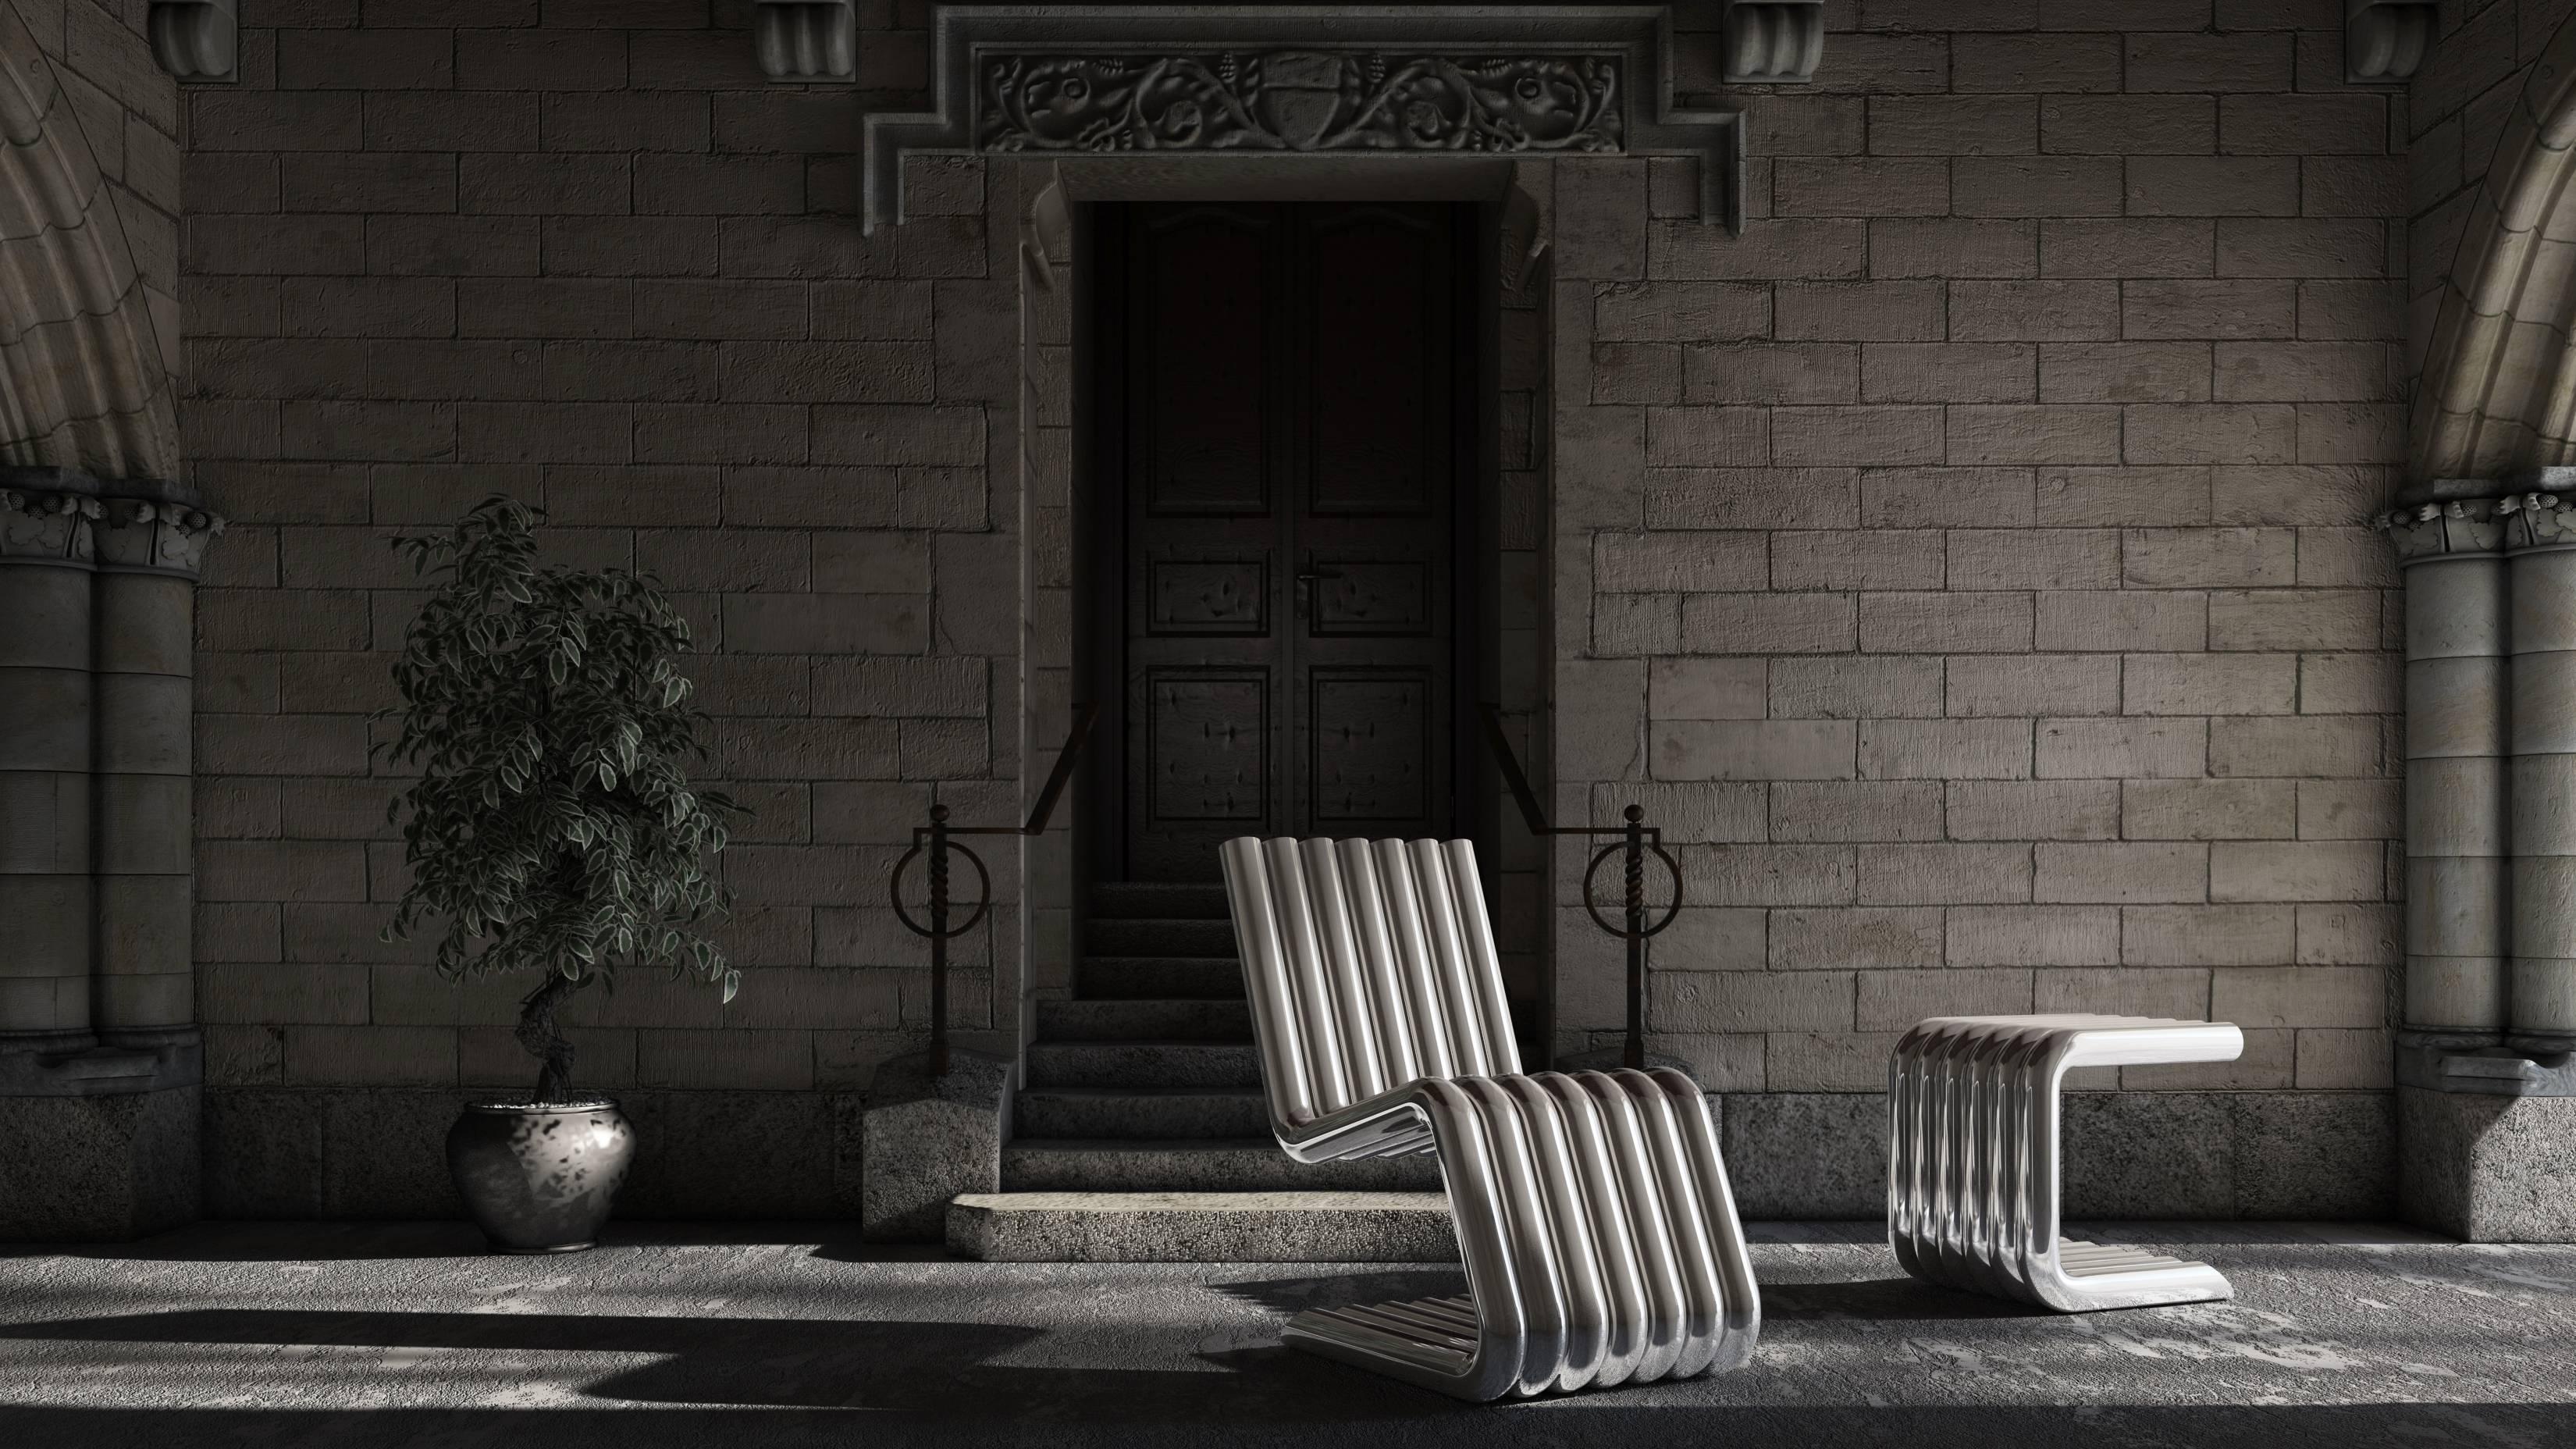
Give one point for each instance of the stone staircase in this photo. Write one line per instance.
(1142, 1135)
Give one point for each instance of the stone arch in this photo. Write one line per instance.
(2498, 389)
(84, 377)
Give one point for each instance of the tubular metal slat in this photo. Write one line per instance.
(1973, 1159)
(1599, 1235)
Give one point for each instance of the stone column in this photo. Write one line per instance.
(100, 1061)
(141, 835)
(2456, 980)
(45, 898)
(2540, 543)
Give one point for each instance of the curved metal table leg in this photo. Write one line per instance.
(1973, 1161)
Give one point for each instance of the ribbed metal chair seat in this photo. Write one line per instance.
(1592, 1209)
(1973, 1167)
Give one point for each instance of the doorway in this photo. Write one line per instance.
(1279, 568)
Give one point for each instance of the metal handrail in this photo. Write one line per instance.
(936, 838)
(1636, 841)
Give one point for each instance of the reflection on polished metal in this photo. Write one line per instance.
(1592, 1210)
(1972, 1171)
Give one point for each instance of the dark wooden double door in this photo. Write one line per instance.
(1281, 459)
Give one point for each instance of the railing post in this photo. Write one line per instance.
(1636, 902)
(939, 940)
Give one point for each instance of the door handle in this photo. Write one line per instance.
(1306, 588)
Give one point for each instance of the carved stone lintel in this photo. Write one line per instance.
(2386, 40)
(196, 40)
(1299, 101)
(806, 40)
(1355, 83)
(1769, 42)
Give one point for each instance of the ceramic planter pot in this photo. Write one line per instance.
(540, 1179)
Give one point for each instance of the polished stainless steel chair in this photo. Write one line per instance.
(1972, 1177)
(1592, 1210)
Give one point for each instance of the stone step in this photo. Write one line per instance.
(1222, 1164)
(1131, 978)
(1161, 937)
(1127, 900)
(1202, 1227)
(1145, 1019)
(1143, 1064)
(1161, 1113)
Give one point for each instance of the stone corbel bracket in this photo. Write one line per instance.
(806, 40)
(1362, 85)
(196, 40)
(1773, 43)
(2385, 41)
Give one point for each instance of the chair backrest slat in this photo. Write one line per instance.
(1368, 964)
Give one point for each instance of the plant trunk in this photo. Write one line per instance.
(544, 1040)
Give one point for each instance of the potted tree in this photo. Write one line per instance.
(552, 829)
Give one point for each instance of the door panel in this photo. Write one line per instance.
(1288, 444)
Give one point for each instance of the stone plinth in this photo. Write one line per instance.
(928, 1139)
(98, 1145)
(2491, 1169)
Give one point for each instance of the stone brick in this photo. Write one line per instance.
(2127, 125)
(2037, 63)
(1848, 688)
(1691, 250)
(2142, 247)
(2300, 996)
(1866, 938)
(2308, 619)
(2033, 936)
(1706, 688)
(2078, 372)
(1946, 497)
(1953, 247)
(1767, 623)
(2209, 433)
(2201, 310)
(1860, 186)
(1947, 372)
(1945, 749)
(1752, 750)
(1695, 561)
(2351, 935)
(1697, 437)
(2207, 809)
(2046, 558)
(2307, 870)
(1702, 1001)
(2122, 749)
(2174, 995)
(1856, 559)
(2206, 935)
(1858, 811)
(2034, 684)
(2305, 247)
(2351, 810)
(1827, 1061)
(2122, 620)
(2033, 311)
(1896, 1000)
(2035, 186)
(2121, 874)
(2209, 684)
(2252, 60)
(1767, 373)
(1681, 312)
(1859, 311)
(2165, 558)
(1904, 875)
(2033, 810)
(1771, 875)
(1956, 622)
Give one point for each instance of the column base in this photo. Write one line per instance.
(928, 1139)
(98, 1141)
(2521, 1067)
(2488, 1167)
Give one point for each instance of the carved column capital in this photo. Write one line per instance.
(47, 527)
(2460, 526)
(159, 536)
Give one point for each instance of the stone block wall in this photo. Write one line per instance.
(1970, 561)
(1967, 564)
(588, 256)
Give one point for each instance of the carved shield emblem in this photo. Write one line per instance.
(1298, 96)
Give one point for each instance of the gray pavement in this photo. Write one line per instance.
(399, 1335)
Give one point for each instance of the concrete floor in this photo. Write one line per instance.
(399, 1335)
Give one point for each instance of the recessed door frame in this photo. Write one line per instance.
(1102, 568)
